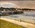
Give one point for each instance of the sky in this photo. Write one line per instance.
(21, 4)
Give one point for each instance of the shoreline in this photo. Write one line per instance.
(24, 24)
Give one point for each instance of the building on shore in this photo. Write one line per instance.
(14, 10)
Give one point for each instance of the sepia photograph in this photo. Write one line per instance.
(17, 13)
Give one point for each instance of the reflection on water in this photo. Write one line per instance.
(29, 13)
(27, 16)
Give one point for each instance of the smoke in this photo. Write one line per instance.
(7, 4)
